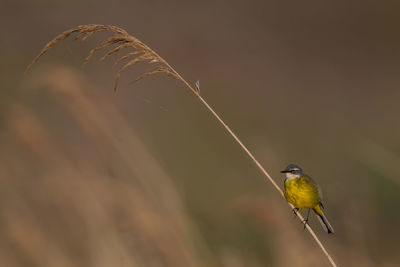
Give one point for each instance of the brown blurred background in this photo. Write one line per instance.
(147, 177)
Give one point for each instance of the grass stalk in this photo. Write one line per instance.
(140, 52)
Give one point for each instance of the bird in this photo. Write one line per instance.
(304, 193)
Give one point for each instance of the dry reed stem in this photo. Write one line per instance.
(142, 53)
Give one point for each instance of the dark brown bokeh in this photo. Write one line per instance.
(146, 177)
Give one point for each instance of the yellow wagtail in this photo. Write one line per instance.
(304, 193)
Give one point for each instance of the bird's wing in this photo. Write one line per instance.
(312, 184)
(318, 189)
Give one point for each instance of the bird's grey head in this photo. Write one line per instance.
(292, 171)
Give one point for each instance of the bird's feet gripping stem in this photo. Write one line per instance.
(295, 210)
(305, 222)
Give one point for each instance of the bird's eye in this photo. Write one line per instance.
(293, 171)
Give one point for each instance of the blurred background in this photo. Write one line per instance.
(147, 177)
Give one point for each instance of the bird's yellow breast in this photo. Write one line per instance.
(302, 192)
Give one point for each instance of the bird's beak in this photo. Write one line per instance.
(284, 171)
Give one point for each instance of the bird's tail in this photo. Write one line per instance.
(323, 220)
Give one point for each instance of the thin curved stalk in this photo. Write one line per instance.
(145, 54)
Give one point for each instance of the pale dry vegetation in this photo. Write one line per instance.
(140, 52)
(137, 51)
(89, 199)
